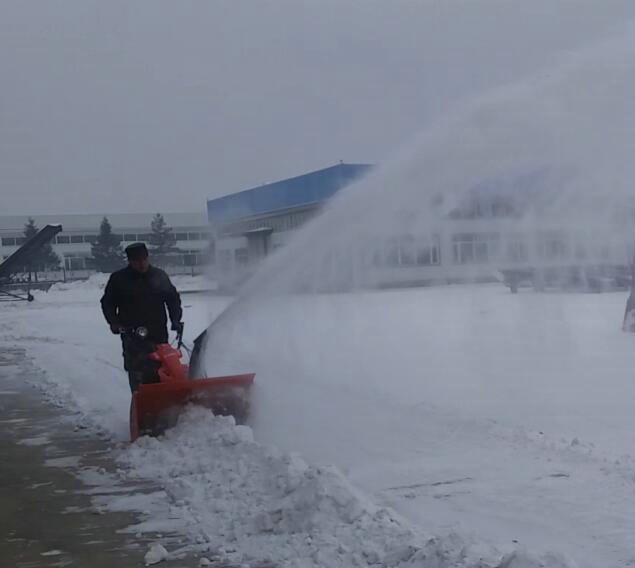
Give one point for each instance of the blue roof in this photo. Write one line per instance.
(306, 189)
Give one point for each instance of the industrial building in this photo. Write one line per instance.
(478, 240)
(250, 224)
(73, 244)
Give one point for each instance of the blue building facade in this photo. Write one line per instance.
(301, 191)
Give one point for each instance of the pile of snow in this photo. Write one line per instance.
(200, 283)
(245, 503)
(93, 283)
(156, 554)
(97, 282)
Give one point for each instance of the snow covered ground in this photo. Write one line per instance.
(497, 421)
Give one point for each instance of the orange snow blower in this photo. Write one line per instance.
(168, 387)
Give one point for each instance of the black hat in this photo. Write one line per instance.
(136, 250)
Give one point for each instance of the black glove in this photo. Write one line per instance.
(115, 328)
(178, 327)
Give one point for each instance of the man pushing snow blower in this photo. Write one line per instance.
(134, 304)
(135, 297)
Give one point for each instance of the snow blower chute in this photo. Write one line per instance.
(169, 386)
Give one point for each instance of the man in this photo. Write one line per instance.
(136, 296)
(628, 323)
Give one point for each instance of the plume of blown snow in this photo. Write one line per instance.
(558, 144)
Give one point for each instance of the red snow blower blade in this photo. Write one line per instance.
(157, 403)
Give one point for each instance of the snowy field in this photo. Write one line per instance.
(497, 422)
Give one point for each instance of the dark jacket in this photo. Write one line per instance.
(132, 299)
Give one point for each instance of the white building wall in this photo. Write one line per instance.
(468, 250)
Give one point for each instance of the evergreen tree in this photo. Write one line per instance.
(106, 249)
(43, 259)
(162, 238)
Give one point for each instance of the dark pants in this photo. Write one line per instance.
(135, 378)
(140, 368)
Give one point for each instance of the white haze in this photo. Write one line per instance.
(568, 130)
(371, 380)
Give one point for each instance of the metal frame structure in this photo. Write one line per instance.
(22, 257)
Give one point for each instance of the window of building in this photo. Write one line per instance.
(77, 238)
(410, 251)
(76, 262)
(517, 251)
(90, 238)
(551, 246)
(180, 236)
(205, 236)
(8, 241)
(428, 252)
(194, 236)
(241, 256)
(392, 252)
(63, 240)
(475, 248)
(191, 259)
(225, 259)
(145, 237)
(130, 237)
(407, 251)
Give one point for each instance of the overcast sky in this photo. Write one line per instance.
(148, 105)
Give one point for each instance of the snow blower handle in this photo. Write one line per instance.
(178, 327)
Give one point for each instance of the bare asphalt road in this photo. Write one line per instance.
(47, 514)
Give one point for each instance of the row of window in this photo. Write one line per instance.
(480, 248)
(484, 208)
(239, 257)
(467, 248)
(86, 263)
(408, 251)
(125, 237)
(399, 252)
(475, 248)
(277, 224)
(13, 241)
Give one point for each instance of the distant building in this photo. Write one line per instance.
(480, 239)
(250, 224)
(73, 244)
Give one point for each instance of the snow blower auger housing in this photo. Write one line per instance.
(168, 388)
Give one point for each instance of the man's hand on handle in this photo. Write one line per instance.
(178, 327)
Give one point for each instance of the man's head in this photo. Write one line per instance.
(137, 254)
